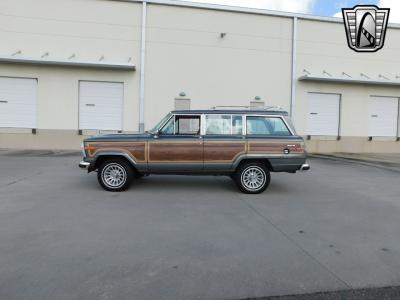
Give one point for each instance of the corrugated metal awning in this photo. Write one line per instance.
(352, 80)
(71, 63)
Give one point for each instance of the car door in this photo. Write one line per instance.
(224, 141)
(178, 146)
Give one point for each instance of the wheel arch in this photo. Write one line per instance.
(245, 160)
(101, 157)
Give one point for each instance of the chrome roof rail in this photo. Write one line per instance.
(265, 108)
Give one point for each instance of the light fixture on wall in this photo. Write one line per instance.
(182, 94)
(72, 56)
(384, 77)
(325, 72)
(16, 53)
(257, 98)
(222, 35)
(345, 74)
(363, 75)
(305, 71)
(45, 55)
(101, 58)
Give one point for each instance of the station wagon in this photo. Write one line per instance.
(245, 144)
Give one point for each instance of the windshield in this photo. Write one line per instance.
(159, 124)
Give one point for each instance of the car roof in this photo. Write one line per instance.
(233, 112)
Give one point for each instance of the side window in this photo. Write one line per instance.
(266, 126)
(218, 124)
(182, 125)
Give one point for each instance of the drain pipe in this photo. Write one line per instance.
(142, 67)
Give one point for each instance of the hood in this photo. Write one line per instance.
(118, 137)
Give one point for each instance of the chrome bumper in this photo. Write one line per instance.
(84, 165)
(305, 167)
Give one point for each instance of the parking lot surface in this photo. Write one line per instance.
(335, 227)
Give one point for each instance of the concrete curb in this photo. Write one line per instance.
(370, 163)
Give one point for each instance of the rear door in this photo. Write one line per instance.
(224, 141)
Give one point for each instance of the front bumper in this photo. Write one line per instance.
(84, 165)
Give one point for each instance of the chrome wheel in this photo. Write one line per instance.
(253, 178)
(114, 175)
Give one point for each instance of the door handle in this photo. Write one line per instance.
(3, 101)
(313, 113)
(374, 116)
(90, 104)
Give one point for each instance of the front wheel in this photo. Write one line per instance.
(115, 175)
(252, 178)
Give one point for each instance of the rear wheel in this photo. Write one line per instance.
(115, 175)
(252, 178)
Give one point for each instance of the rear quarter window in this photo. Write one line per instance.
(272, 126)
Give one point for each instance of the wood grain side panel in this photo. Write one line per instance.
(176, 152)
(223, 152)
(274, 147)
(137, 150)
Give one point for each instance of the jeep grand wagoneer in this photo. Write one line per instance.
(246, 144)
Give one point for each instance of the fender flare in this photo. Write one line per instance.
(100, 154)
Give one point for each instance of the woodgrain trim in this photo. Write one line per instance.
(136, 150)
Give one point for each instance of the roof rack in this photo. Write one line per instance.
(267, 108)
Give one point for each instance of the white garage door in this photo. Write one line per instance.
(18, 98)
(323, 114)
(100, 105)
(383, 114)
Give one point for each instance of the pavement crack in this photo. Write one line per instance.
(294, 242)
(19, 180)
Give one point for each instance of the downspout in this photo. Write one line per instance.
(294, 56)
(142, 67)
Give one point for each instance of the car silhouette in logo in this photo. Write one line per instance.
(365, 27)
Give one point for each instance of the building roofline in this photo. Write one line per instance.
(239, 9)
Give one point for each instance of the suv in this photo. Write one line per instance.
(245, 144)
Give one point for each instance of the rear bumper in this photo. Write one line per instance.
(305, 167)
(84, 165)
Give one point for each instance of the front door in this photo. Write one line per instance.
(178, 147)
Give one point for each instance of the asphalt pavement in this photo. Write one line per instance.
(334, 228)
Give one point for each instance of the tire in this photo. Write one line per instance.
(252, 178)
(115, 175)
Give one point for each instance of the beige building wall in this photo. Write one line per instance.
(322, 46)
(82, 30)
(186, 53)
(214, 56)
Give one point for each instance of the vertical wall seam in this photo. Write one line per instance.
(142, 66)
(294, 61)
